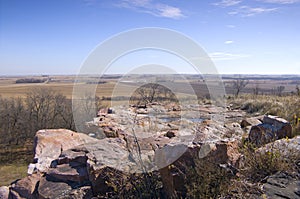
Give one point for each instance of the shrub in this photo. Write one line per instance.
(265, 161)
(143, 185)
(206, 180)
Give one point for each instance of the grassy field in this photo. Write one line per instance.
(12, 172)
(20, 90)
(64, 85)
(8, 87)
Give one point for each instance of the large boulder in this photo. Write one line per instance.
(49, 143)
(272, 128)
(90, 164)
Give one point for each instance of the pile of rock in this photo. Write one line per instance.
(74, 165)
(68, 165)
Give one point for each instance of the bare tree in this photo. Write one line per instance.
(298, 90)
(40, 105)
(280, 90)
(148, 92)
(256, 89)
(152, 92)
(46, 108)
(87, 108)
(238, 85)
(12, 122)
(20, 118)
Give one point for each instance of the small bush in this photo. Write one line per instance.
(263, 162)
(144, 185)
(206, 180)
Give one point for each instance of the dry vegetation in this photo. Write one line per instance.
(287, 107)
(61, 84)
(11, 172)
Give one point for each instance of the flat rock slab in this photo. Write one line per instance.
(106, 152)
(282, 185)
(67, 173)
(252, 121)
(72, 156)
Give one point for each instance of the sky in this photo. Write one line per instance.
(241, 37)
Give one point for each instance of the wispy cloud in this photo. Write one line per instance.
(89, 2)
(281, 1)
(220, 56)
(227, 3)
(229, 42)
(169, 11)
(247, 11)
(153, 8)
(230, 26)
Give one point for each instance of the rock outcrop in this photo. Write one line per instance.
(48, 145)
(75, 165)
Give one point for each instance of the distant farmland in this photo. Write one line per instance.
(64, 84)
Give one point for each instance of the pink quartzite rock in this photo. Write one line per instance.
(4, 191)
(49, 143)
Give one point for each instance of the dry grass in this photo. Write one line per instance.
(206, 180)
(64, 85)
(61, 84)
(11, 172)
(20, 90)
(287, 107)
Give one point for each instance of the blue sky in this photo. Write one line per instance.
(55, 36)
